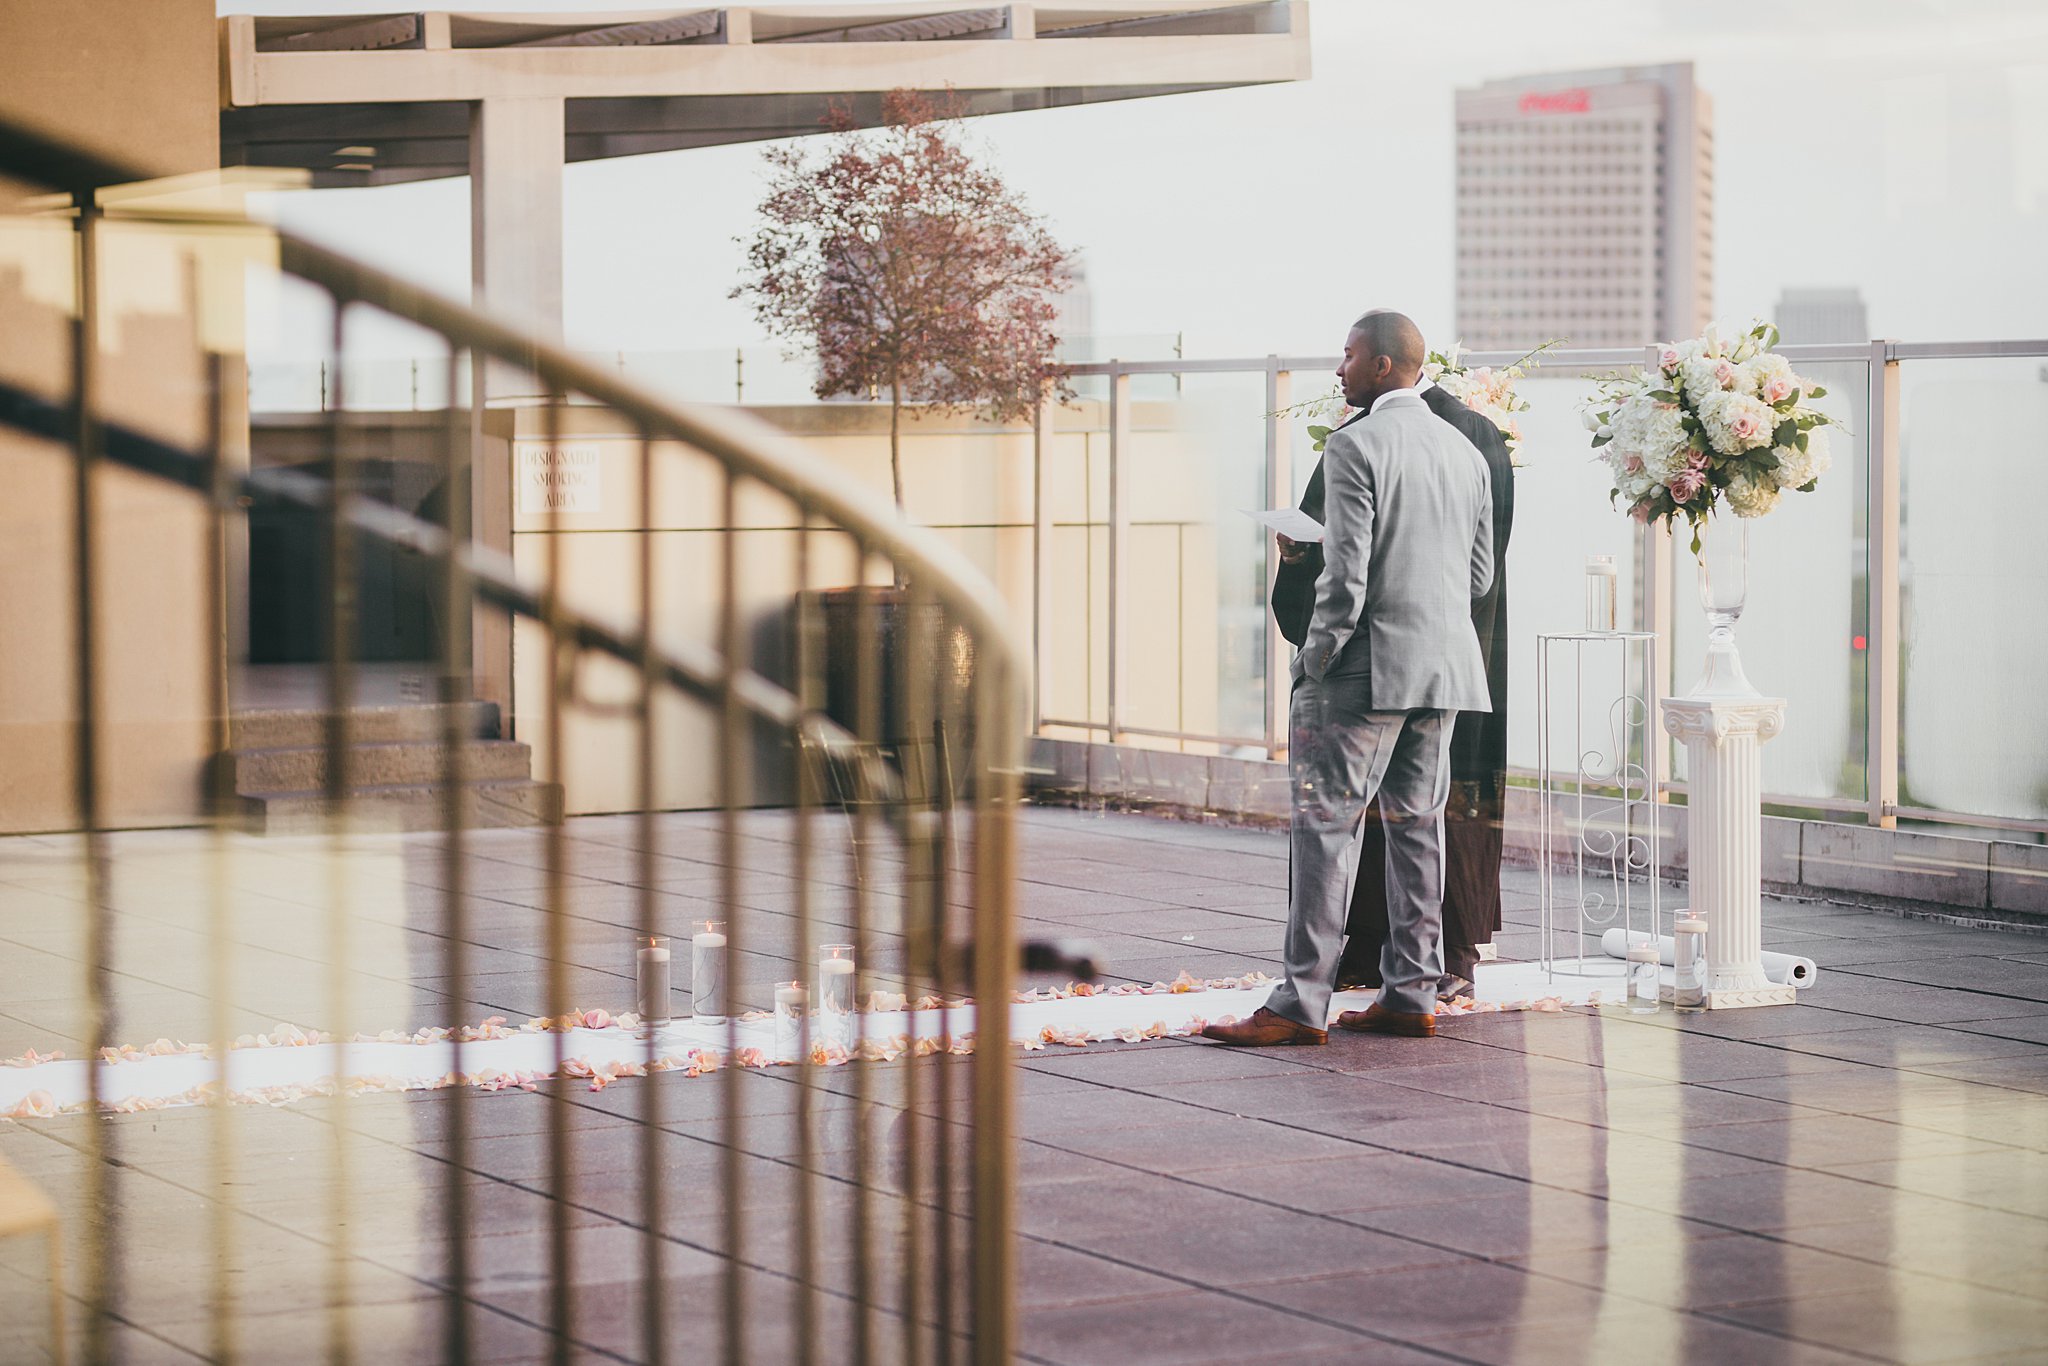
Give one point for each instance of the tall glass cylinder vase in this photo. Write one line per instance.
(1724, 590)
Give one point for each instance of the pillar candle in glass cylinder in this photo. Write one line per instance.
(707, 971)
(1689, 963)
(656, 986)
(790, 1003)
(835, 993)
(1602, 582)
(1644, 979)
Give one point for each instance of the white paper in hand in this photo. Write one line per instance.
(1292, 523)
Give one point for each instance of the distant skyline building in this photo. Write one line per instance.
(1585, 208)
(1812, 316)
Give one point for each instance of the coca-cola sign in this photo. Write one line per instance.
(1557, 102)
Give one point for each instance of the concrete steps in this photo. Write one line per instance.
(394, 770)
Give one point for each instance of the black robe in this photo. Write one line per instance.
(1479, 740)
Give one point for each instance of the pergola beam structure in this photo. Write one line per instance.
(973, 23)
(1255, 17)
(681, 28)
(512, 99)
(396, 30)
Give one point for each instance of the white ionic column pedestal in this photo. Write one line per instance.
(1725, 829)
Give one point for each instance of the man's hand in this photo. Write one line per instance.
(1290, 551)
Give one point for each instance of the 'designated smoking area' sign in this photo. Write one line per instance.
(557, 478)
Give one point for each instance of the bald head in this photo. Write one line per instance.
(1384, 352)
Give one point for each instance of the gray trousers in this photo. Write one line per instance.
(1340, 754)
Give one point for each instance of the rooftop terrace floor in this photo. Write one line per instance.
(1860, 1176)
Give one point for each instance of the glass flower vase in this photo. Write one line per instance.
(1724, 589)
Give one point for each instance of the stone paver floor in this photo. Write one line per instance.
(1860, 1176)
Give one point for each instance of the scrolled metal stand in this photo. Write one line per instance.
(1601, 808)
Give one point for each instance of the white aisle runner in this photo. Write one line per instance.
(290, 1063)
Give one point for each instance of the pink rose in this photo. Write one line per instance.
(1668, 358)
(1633, 464)
(1724, 373)
(1777, 389)
(1746, 427)
(1697, 460)
(1686, 484)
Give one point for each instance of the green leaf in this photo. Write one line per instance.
(1664, 395)
(1319, 432)
(1765, 459)
(1802, 443)
(1810, 485)
(1601, 439)
(1695, 539)
(1784, 433)
(1816, 392)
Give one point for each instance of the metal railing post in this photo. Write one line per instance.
(102, 1269)
(1041, 562)
(1119, 540)
(1279, 493)
(1881, 582)
(1655, 602)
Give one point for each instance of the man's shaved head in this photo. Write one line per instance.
(1395, 336)
(1384, 352)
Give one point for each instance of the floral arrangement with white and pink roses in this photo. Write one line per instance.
(1487, 390)
(1718, 421)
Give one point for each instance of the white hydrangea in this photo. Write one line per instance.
(1797, 468)
(1751, 498)
(1736, 422)
(1702, 377)
(1630, 485)
(1662, 441)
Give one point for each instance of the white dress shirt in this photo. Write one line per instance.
(1422, 382)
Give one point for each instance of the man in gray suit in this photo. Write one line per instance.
(1390, 656)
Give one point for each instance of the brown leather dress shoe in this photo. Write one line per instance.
(1264, 1029)
(1374, 1020)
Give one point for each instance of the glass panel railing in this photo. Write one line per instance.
(1561, 516)
(1973, 573)
(1074, 647)
(1197, 634)
(1802, 627)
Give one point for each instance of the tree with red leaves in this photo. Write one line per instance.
(909, 268)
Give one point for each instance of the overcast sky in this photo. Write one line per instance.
(1898, 146)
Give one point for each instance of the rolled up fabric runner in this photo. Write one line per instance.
(1782, 968)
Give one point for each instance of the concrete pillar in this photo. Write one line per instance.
(516, 150)
(1724, 821)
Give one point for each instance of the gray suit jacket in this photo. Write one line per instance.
(1407, 546)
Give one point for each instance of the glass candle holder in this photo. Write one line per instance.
(1689, 963)
(835, 993)
(654, 980)
(707, 972)
(1643, 979)
(791, 1001)
(1602, 592)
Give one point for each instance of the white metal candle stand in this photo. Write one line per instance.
(1596, 799)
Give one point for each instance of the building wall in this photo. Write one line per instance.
(157, 655)
(1584, 209)
(971, 482)
(134, 79)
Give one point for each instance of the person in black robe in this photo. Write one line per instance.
(1479, 745)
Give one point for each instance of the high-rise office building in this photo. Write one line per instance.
(1811, 316)
(1585, 208)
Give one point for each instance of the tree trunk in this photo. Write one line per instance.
(896, 440)
(896, 458)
